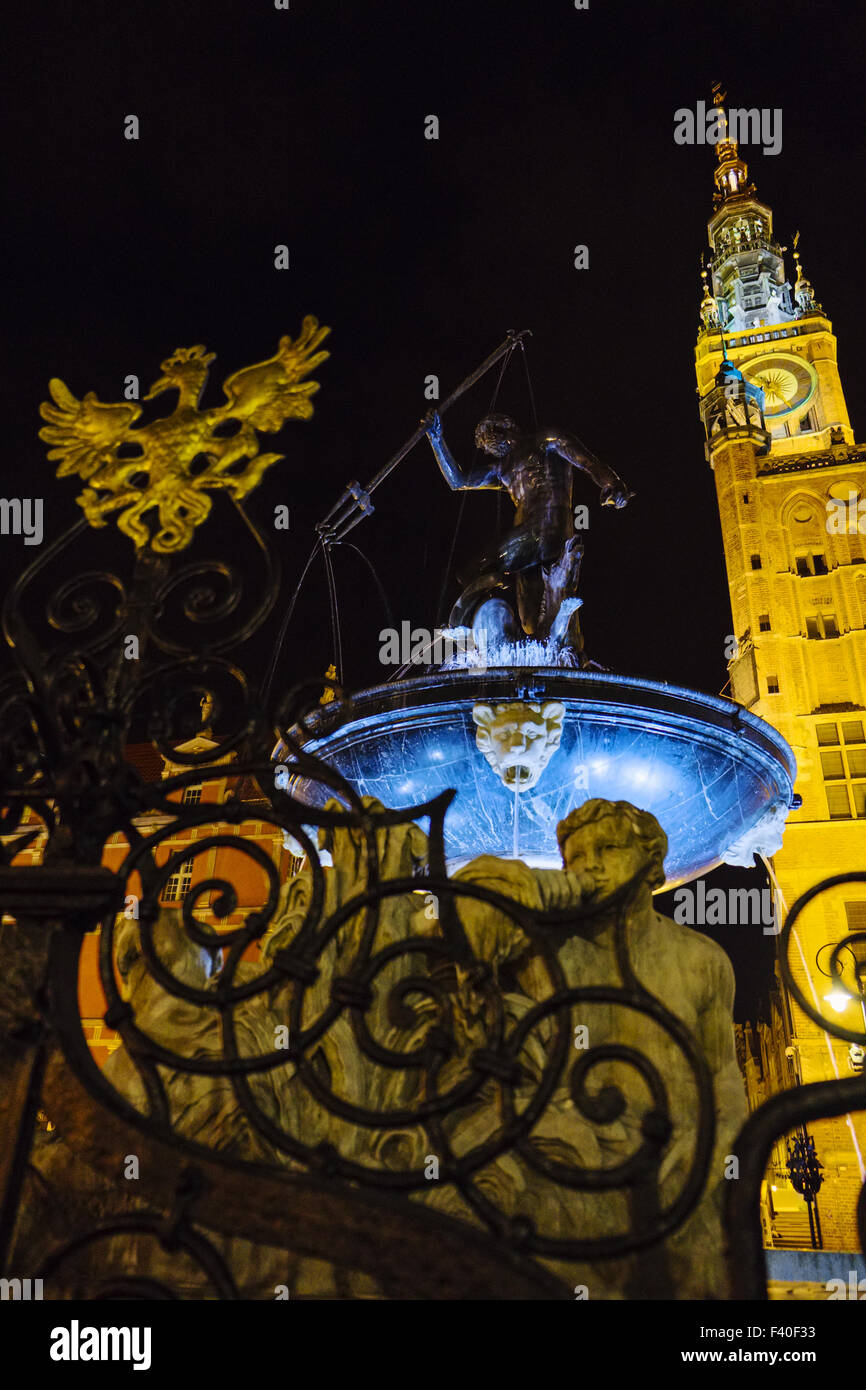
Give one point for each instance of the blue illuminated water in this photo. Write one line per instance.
(709, 771)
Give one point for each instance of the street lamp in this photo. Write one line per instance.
(839, 996)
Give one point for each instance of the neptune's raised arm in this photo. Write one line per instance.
(458, 479)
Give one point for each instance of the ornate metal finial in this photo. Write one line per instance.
(804, 293)
(88, 435)
(732, 173)
(709, 307)
(723, 144)
(328, 695)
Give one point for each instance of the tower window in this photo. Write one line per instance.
(772, 685)
(856, 916)
(852, 730)
(745, 497)
(756, 562)
(822, 625)
(807, 565)
(857, 763)
(838, 804)
(832, 766)
(764, 622)
(835, 768)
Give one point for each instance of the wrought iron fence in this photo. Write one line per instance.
(274, 1157)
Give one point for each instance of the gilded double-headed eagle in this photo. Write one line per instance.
(171, 464)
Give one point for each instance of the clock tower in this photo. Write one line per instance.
(791, 484)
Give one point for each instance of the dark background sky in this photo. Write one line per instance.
(306, 127)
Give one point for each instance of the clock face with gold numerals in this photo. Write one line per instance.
(787, 383)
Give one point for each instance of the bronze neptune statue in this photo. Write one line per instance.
(542, 550)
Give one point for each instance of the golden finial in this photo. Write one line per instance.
(801, 274)
(725, 148)
(88, 435)
(328, 693)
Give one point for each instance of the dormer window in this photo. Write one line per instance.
(178, 883)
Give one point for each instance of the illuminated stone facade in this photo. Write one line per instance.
(790, 482)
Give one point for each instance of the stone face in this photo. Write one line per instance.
(518, 739)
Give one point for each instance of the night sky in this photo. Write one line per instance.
(306, 127)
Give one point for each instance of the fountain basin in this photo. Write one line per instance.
(718, 779)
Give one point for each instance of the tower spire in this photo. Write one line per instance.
(748, 280)
(732, 173)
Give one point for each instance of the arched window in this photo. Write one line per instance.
(804, 522)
